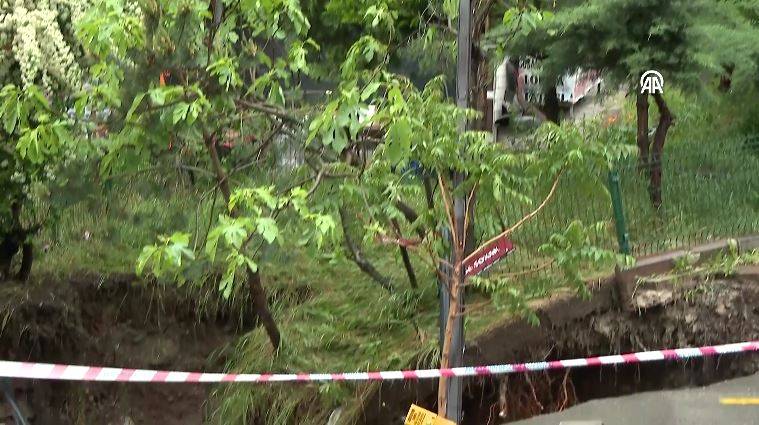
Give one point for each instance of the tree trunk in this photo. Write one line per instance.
(410, 215)
(445, 355)
(641, 108)
(551, 106)
(470, 92)
(8, 249)
(726, 79)
(12, 241)
(665, 122)
(409, 267)
(406, 260)
(429, 193)
(355, 253)
(27, 258)
(255, 289)
(261, 307)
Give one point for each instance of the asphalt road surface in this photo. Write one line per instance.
(731, 402)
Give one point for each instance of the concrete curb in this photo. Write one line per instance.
(626, 280)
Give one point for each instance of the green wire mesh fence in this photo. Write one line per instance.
(710, 191)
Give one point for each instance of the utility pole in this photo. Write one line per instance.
(455, 385)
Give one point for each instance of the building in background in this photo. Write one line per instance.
(519, 98)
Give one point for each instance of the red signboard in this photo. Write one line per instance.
(487, 256)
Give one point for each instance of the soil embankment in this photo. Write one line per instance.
(110, 321)
(692, 311)
(114, 321)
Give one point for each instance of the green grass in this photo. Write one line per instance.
(104, 228)
(350, 324)
(333, 318)
(710, 191)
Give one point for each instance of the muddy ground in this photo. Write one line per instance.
(116, 321)
(692, 311)
(113, 320)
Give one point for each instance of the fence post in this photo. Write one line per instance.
(623, 237)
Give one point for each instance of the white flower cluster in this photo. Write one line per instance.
(18, 177)
(37, 36)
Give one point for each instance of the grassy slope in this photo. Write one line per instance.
(332, 317)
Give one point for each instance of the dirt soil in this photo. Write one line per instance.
(114, 321)
(694, 311)
(685, 313)
(109, 321)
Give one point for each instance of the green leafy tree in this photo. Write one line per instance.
(40, 74)
(406, 175)
(202, 77)
(410, 168)
(189, 81)
(390, 35)
(684, 40)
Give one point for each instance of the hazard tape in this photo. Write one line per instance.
(22, 370)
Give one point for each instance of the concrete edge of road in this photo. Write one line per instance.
(732, 401)
(627, 279)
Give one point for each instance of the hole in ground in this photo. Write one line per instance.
(687, 313)
(492, 401)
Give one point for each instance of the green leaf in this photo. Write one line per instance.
(227, 281)
(225, 70)
(158, 96)
(180, 112)
(62, 135)
(325, 224)
(194, 111)
(251, 264)
(144, 257)
(267, 228)
(509, 15)
(265, 195)
(34, 93)
(135, 104)
(338, 141)
(176, 249)
(29, 146)
(234, 234)
(369, 90)
(212, 242)
(10, 112)
(451, 9)
(398, 146)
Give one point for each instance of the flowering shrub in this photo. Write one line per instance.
(40, 35)
(40, 74)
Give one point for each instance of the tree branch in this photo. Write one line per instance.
(358, 257)
(264, 144)
(271, 110)
(447, 207)
(221, 175)
(406, 260)
(523, 220)
(410, 215)
(481, 14)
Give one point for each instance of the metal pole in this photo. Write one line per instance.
(455, 385)
(18, 416)
(623, 237)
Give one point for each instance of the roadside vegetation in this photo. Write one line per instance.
(176, 142)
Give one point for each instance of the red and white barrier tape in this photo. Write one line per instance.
(23, 370)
